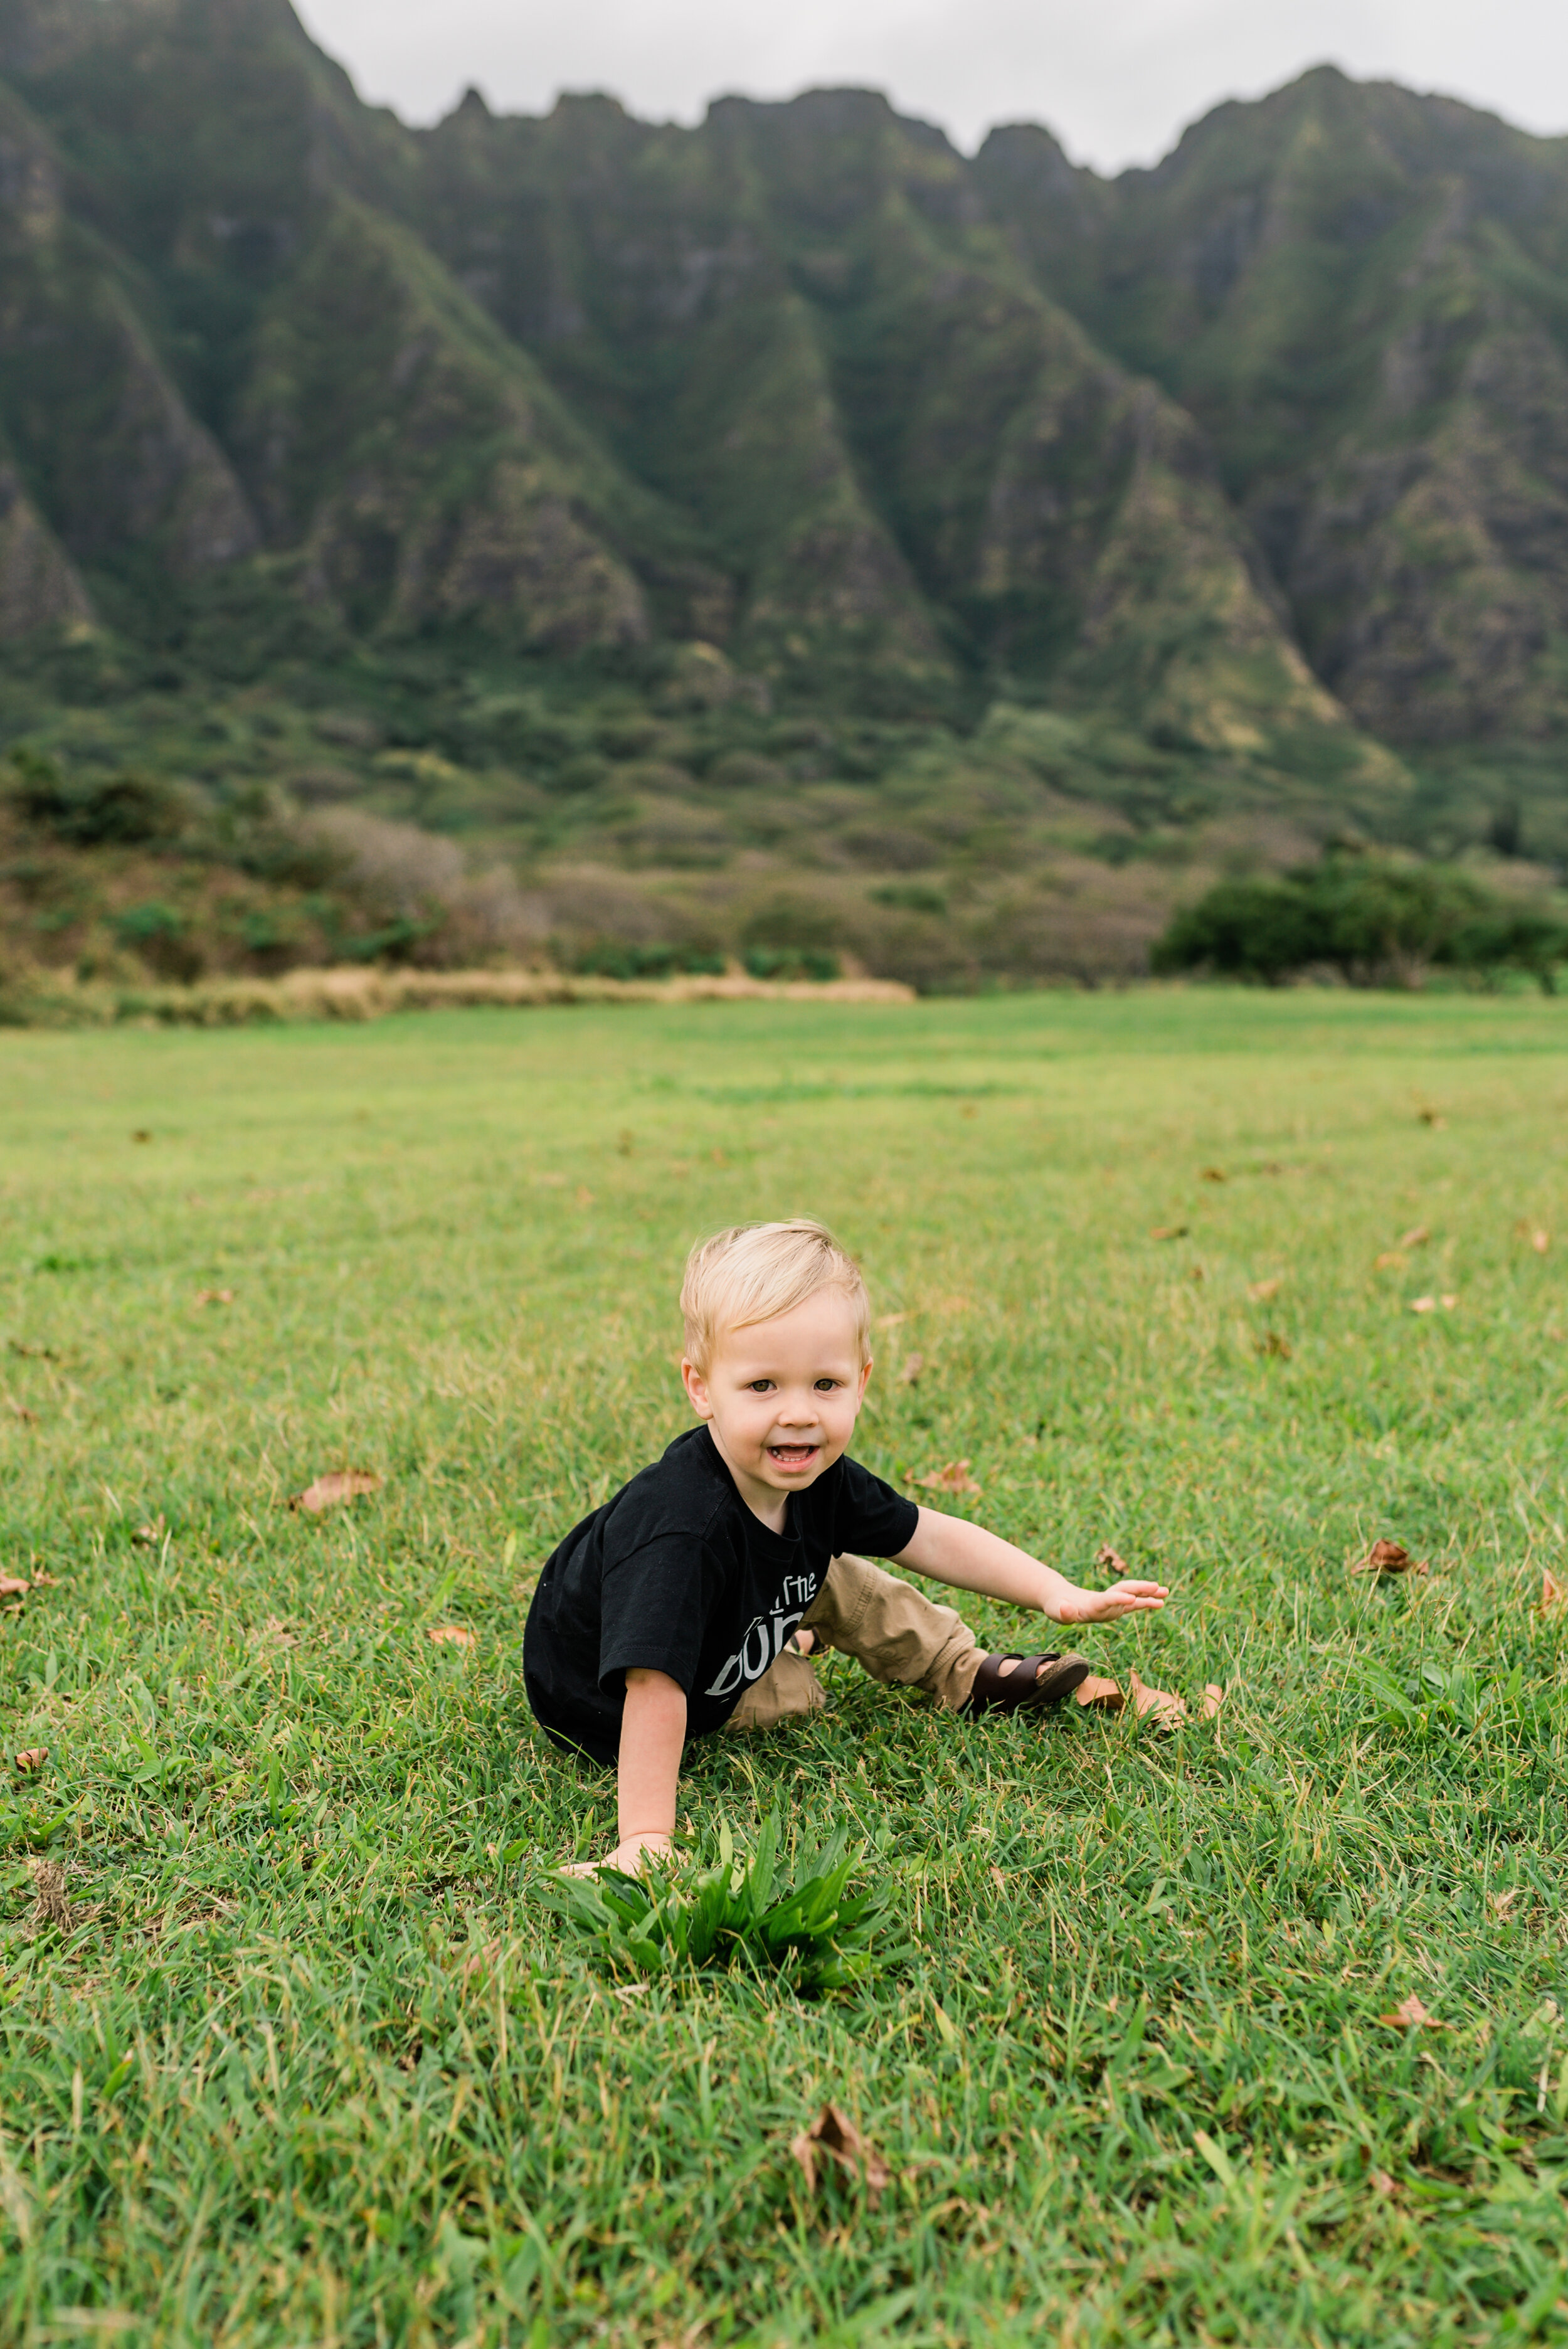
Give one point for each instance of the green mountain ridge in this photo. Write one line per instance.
(1231, 492)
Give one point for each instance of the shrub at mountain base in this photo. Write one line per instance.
(1375, 922)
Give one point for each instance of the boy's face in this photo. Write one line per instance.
(782, 1397)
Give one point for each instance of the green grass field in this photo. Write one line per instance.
(315, 2064)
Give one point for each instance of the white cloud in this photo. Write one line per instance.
(1117, 79)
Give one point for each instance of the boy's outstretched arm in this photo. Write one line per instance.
(953, 1551)
(653, 1736)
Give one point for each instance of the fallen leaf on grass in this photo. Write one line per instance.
(1552, 1592)
(1432, 1117)
(481, 1961)
(149, 1536)
(1500, 1903)
(1156, 1704)
(1389, 1557)
(41, 1575)
(452, 1635)
(954, 1478)
(833, 2136)
(1262, 1290)
(20, 1411)
(344, 1484)
(1213, 1698)
(142, 1134)
(1169, 1232)
(1273, 1343)
(275, 1634)
(1540, 1242)
(910, 1374)
(50, 1906)
(1381, 2183)
(1416, 1237)
(32, 1757)
(1099, 1695)
(214, 1296)
(1214, 1174)
(1107, 1558)
(1432, 1304)
(1411, 2015)
(13, 1587)
(1391, 1260)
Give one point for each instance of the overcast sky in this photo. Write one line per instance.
(1116, 79)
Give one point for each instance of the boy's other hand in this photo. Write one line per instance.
(1107, 1605)
(627, 1857)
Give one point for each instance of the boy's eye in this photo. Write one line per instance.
(760, 1386)
(826, 1386)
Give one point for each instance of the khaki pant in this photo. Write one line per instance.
(891, 1629)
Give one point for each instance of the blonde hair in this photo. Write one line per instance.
(754, 1271)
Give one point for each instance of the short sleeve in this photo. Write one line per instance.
(869, 1516)
(655, 1608)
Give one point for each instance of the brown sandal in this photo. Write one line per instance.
(1033, 1681)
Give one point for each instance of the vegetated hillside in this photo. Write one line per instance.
(783, 526)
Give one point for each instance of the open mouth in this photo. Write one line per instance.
(793, 1456)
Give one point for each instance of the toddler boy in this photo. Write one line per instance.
(689, 1601)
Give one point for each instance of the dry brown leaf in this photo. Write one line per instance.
(12, 1586)
(1262, 1290)
(954, 1478)
(1391, 1260)
(1500, 1903)
(32, 1757)
(1213, 1698)
(833, 2136)
(1214, 1174)
(50, 1906)
(1381, 2183)
(1273, 1343)
(998, 1879)
(149, 1536)
(1540, 1241)
(1432, 1117)
(214, 1296)
(142, 1134)
(1423, 1304)
(1552, 1592)
(20, 1411)
(1107, 1558)
(343, 1484)
(275, 1634)
(1169, 1232)
(1099, 1695)
(1416, 1237)
(1449, 1299)
(1156, 1704)
(1411, 2015)
(1389, 1557)
(910, 1374)
(452, 1635)
(41, 1575)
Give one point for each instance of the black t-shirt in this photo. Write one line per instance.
(676, 1574)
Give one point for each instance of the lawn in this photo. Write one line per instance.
(315, 2062)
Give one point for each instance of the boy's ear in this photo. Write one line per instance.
(865, 1380)
(696, 1386)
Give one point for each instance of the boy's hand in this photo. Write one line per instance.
(627, 1857)
(1107, 1605)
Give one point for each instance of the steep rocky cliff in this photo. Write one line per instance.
(1265, 451)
